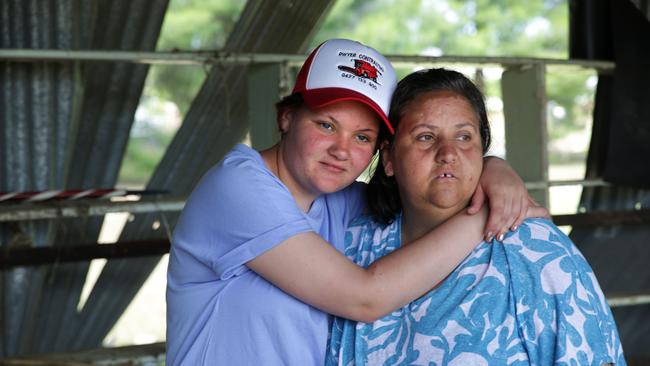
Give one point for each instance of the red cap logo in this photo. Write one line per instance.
(362, 69)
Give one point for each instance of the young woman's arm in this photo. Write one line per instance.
(508, 198)
(310, 269)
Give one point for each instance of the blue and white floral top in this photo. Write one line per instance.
(533, 300)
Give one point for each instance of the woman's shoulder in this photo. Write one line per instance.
(552, 283)
(239, 182)
(539, 247)
(240, 159)
(539, 230)
(241, 168)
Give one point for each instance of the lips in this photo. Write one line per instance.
(446, 175)
(335, 168)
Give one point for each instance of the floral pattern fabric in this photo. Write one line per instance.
(533, 300)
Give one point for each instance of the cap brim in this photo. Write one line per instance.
(318, 98)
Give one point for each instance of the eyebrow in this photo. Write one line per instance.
(433, 127)
(465, 124)
(332, 119)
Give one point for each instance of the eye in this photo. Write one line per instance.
(363, 138)
(425, 137)
(465, 137)
(325, 125)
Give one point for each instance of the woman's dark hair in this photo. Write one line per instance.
(382, 194)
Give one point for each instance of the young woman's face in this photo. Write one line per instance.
(437, 154)
(327, 149)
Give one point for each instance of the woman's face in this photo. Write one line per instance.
(325, 150)
(437, 154)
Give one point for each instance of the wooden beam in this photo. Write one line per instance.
(34, 256)
(84, 208)
(146, 354)
(608, 218)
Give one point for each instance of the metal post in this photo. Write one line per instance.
(263, 93)
(524, 108)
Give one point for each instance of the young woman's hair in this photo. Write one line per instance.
(382, 194)
(290, 102)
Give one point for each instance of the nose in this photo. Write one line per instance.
(340, 148)
(446, 153)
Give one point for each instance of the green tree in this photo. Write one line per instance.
(455, 27)
(191, 25)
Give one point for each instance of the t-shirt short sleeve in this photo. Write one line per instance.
(238, 211)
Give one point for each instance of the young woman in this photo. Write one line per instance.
(255, 263)
(532, 301)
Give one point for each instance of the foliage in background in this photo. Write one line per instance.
(189, 25)
(430, 27)
(453, 27)
(476, 28)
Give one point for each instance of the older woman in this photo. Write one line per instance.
(532, 301)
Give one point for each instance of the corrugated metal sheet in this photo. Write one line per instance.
(57, 146)
(619, 256)
(37, 124)
(111, 95)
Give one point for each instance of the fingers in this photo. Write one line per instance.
(538, 211)
(508, 213)
(493, 218)
(525, 204)
(516, 211)
(532, 201)
(478, 199)
(500, 218)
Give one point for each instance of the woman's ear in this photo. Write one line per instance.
(284, 119)
(386, 158)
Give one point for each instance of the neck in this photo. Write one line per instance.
(274, 159)
(416, 222)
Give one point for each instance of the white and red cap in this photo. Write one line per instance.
(341, 69)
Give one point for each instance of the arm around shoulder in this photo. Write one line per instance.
(310, 269)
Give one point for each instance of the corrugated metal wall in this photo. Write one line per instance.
(38, 130)
(111, 92)
(69, 125)
(619, 254)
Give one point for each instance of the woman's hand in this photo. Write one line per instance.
(507, 196)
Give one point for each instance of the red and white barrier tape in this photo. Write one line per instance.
(72, 194)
